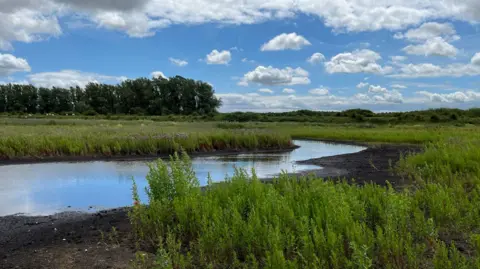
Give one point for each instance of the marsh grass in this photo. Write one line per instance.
(107, 139)
(311, 223)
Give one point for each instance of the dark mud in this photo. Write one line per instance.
(67, 240)
(79, 240)
(375, 164)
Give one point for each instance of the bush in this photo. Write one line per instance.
(435, 118)
(90, 112)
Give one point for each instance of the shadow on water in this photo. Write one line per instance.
(47, 188)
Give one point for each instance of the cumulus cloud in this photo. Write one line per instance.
(121, 5)
(158, 74)
(288, 90)
(358, 61)
(428, 31)
(362, 85)
(70, 78)
(135, 24)
(398, 86)
(264, 90)
(218, 57)
(398, 58)
(424, 70)
(31, 24)
(28, 20)
(455, 97)
(393, 96)
(436, 46)
(285, 41)
(319, 91)
(377, 89)
(273, 76)
(316, 58)
(178, 62)
(476, 59)
(10, 64)
(256, 102)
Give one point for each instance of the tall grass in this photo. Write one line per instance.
(104, 139)
(311, 223)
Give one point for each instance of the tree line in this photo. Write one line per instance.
(157, 96)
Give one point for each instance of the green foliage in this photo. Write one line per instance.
(303, 223)
(157, 96)
(311, 223)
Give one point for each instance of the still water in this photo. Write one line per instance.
(47, 188)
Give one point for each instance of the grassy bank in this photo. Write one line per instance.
(42, 138)
(434, 223)
(106, 138)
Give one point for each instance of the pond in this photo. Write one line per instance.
(47, 188)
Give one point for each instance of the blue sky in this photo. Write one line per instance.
(259, 55)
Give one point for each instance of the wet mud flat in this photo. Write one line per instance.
(81, 240)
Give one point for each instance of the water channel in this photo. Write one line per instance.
(47, 188)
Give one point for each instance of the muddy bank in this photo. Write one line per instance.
(80, 240)
(54, 159)
(373, 164)
(67, 240)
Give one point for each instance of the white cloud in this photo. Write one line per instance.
(245, 60)
(70, 78)
(29, 20)
(264, 90)
(255, 102)
(273, 76)
(135, 24)
(398, 86)
(431, 70)
(218, 57)
(288, 90)
(358, 61)
(158, 74)
(398, 58)
(376, 89)
(285, 41)
(316, 58)
(319, 91)
(435, 46)
(428, 31)
(362, 85)
(10, 64)
(178, 62)
(120, 5)
(476, 59)
(393, 96)
(455, 97)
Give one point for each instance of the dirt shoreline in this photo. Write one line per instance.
(74, 240)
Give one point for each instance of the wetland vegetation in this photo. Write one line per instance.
(433, 222)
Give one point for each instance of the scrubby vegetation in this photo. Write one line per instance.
(442, 115)
(311, 223)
